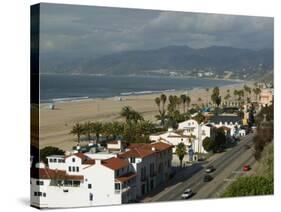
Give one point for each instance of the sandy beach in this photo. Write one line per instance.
(56, 124)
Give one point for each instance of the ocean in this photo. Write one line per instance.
(77, 87)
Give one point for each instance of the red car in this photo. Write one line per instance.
(246, 168)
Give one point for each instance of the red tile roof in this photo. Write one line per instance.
(113, 142)
(45, 173)
(145, 150)
(85, 159)
(137, 153)
(115, 163)
(126, 177)
(161, 146)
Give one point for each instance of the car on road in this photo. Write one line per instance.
(247, 146)
(209, 169)
(187, 194)
(207, 178)
(246, 168)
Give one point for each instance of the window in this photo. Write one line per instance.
(117, 173)
(117, 186)
(35, 194)
(91, 197)
(76, 183)
(73, 168)
(73, 160)
(51, 160)
(40, 194)
(77, 168)
(55, 160)
(133, 160)
(89, 186)
(39, 182)
(69, 168)
(44, 194)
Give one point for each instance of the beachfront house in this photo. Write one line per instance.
(230, 121)
(189, 132)
(103, 178)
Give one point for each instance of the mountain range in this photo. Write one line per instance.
(177, 59)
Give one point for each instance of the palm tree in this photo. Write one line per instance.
(257, 91)
(126, 112)
(235, 93)
(247, 90)
(158, 101)
(87, 129)
(183, 98)
(162, 117)
(77, 130)
(207, 90)
(97, 128)
(188, 100)
(136, 116)
(117, 129)
(226, 98)
(163, 99)
(178, 102)
(180, 152)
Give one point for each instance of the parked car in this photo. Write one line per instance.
(246, 167)
(209, 169)
(187, 194)
(207, 178)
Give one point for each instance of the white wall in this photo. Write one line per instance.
(102, 180)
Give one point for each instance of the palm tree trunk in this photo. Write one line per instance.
(78, 139)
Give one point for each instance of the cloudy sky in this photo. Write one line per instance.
(81, 31)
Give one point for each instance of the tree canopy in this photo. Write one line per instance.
(49, 150)
(249, 186)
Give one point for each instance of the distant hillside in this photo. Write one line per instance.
(179, 59)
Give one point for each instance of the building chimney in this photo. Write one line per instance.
(98, 161)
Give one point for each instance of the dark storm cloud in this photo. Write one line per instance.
(93, 31)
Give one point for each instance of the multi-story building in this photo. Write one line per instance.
(189, 132)
(266, 96)
(233, 122)
(151, 162)
(103, 178)
(81, 180)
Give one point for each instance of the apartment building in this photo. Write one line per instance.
(103, 178)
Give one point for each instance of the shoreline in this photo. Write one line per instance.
(47, 102)
(56, 124)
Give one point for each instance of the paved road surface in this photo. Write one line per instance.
(228, 166)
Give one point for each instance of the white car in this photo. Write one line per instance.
(187, 194)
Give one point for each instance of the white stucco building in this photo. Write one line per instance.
(233, 122)
(104, 178)
(189, 132)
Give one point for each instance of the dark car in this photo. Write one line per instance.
(247, 146)
(209, 169)
(207, 178)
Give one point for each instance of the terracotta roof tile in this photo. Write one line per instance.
(85, 159)
(126, 177)
(115, 163)
(144, 150)
(161, 146)
(45, 173)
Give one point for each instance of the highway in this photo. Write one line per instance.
(228, 166)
